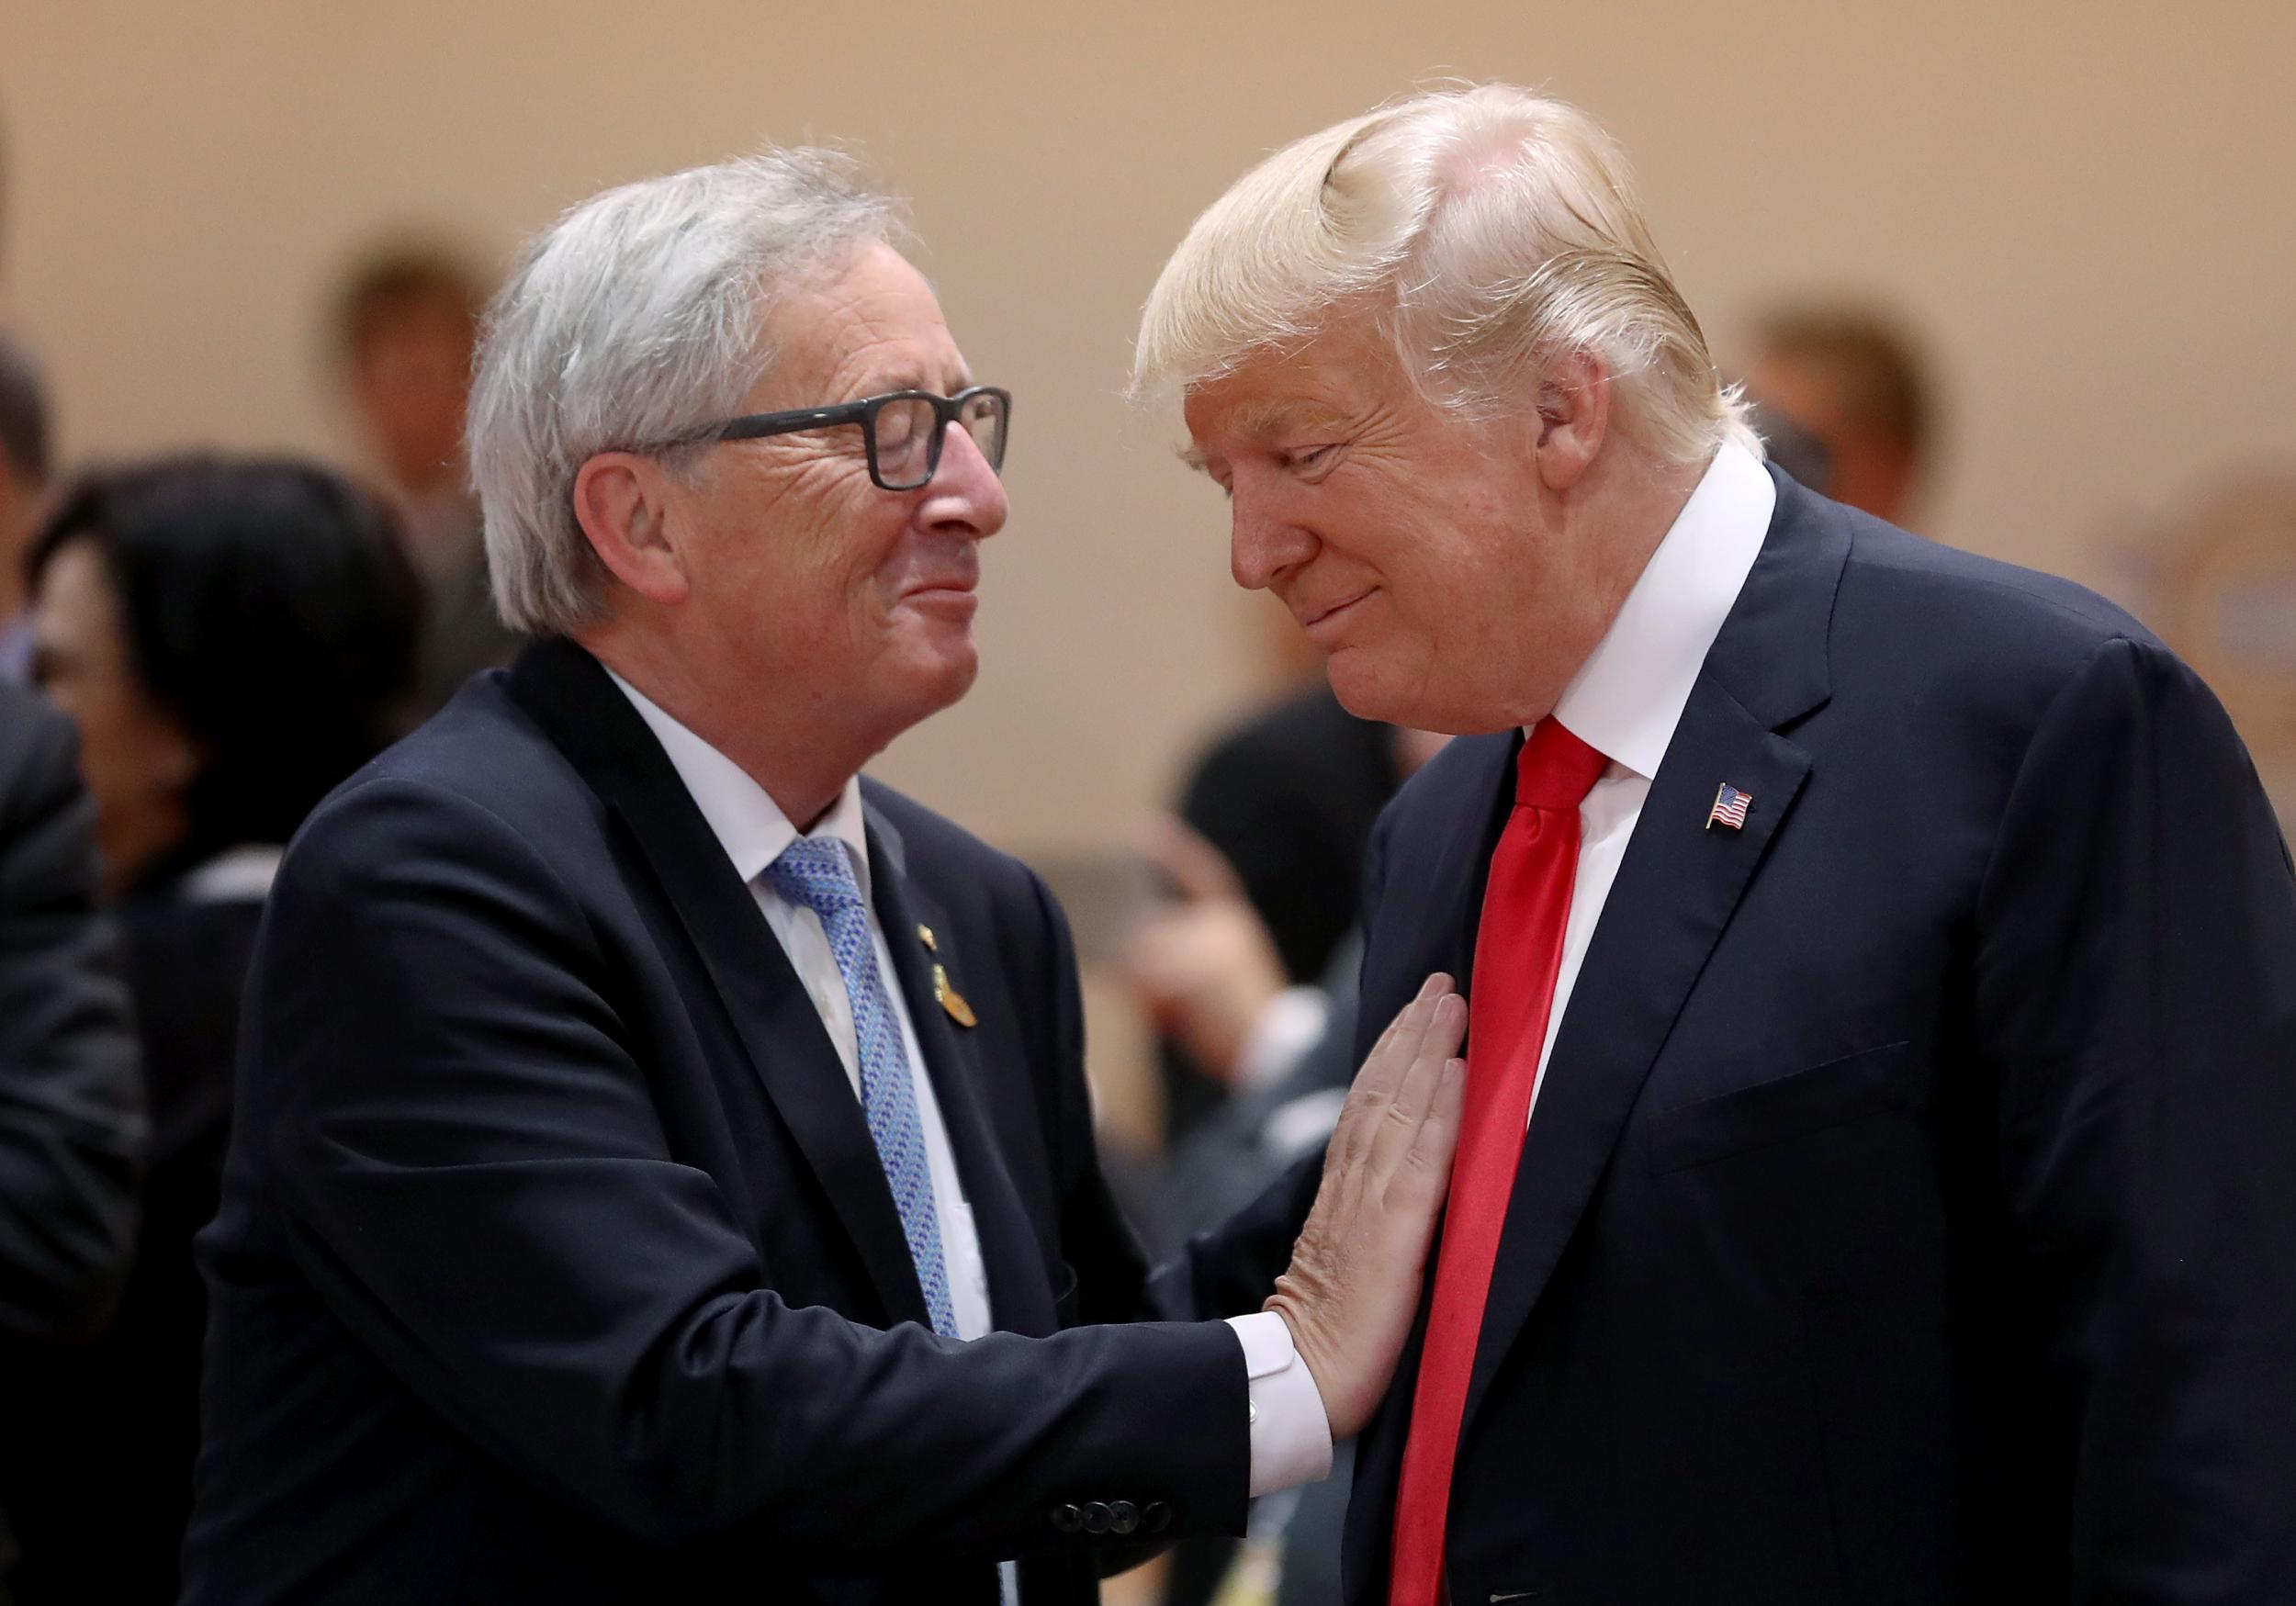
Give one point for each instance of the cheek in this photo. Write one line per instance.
(113, 742)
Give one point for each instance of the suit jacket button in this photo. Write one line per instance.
(1123, 1517)
(1068, 1518)
(1155, 1517)
(1098, 1517)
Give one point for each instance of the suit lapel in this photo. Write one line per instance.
(604, 736)
(1020, 1298)
(1676, 890)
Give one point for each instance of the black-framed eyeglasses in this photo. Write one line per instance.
(902, 429)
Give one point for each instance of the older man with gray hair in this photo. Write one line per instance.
(663, 1167)
(1878, 1174)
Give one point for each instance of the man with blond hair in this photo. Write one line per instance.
(1878, 1174)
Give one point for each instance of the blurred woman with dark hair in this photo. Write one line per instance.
(232, 639)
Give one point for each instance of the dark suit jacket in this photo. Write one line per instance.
(555, 1263)
(94, 1524)
(71, 1120)
(1910, 1212)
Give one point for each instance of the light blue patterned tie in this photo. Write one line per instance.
(816, 872)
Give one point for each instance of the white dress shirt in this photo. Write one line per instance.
(1627, 697)
(1290, 1435)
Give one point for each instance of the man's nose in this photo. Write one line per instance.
(1262, 542)
(965, 495)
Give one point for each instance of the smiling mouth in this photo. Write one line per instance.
(953, 598)
(1333, 614)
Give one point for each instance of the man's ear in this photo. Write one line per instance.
(1574, 418)
(622, 502)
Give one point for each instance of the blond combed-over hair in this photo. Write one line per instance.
(1489, 230)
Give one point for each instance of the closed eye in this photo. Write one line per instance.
(1301, 459)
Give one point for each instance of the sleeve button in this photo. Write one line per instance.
(1098, 1517)
(1068, 1518)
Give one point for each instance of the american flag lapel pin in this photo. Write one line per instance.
(1729, 807)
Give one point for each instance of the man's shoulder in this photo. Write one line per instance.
(1905, 596)
(478, 768)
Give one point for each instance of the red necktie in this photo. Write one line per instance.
(1518, 951)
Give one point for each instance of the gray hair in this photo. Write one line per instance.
(1490, 230)
(637, 315)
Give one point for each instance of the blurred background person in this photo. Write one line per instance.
(1849, 383)
(2221, 591)
(1286, 799)
(71, 1124)
(406, 323)
(24, 464)
(232, 639)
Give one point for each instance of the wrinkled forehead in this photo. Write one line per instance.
(1333, 379)
(864, 324)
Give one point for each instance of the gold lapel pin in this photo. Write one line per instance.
(925, 936)
(952, 1000)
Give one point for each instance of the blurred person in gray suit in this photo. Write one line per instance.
(1849, 383)
(406, 323)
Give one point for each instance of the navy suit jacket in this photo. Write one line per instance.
(555, 1263)
(1909, 1211)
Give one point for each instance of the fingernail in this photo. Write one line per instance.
(1434, 984)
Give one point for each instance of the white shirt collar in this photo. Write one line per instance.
(742, 815)
(1627, 697)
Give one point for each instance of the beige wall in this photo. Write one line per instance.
(2092, 209)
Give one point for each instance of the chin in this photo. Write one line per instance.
(1368, 689)
(940, 679)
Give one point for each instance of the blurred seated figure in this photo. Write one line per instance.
(406, 324)
(1849, 384)
(24, 462)
(232, 639)
(1287, 798)
(1207, 968)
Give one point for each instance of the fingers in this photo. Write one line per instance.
(1385, 1071)
(1390, 1058)
(1439, 1136)
(1415, 1097)
(1196, 867)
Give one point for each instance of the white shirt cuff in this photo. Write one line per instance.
(1284, 1030)
(1291, 1437)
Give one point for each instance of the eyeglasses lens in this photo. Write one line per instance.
(983, 418)
(904, 441)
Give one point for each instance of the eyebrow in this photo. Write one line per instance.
(1257, 420)
(915, 379)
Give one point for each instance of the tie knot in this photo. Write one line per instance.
(818, 873)
(1555, 769)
